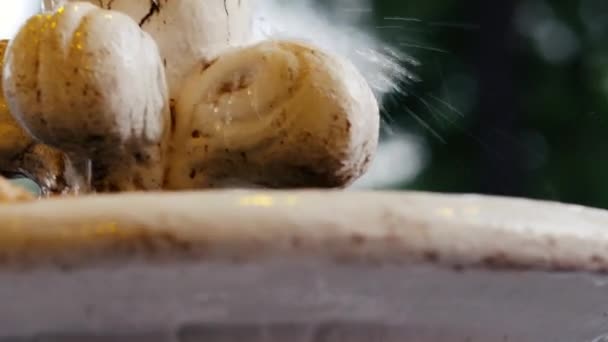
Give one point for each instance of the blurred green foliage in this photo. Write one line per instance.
(546, 137)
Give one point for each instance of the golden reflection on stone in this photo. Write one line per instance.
(266, 201)
(257, 201)
(472, 211)
(446, 212)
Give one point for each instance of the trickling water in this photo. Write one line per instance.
(339, 29)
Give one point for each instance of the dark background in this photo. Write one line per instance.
(513, 97)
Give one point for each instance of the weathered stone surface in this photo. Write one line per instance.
(302, 266)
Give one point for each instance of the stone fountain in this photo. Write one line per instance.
(105, 257)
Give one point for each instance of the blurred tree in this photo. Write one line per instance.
(514, 95)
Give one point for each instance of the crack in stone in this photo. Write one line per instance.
(227, 19)
(154, 8)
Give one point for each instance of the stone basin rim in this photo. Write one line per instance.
(368, 227)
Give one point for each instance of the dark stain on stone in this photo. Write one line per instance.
(207, 65)
(139, 158)
(358, 239)
(431, 256)
(296, 242)
(173, 115)
(138, 182)
(596, 259)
